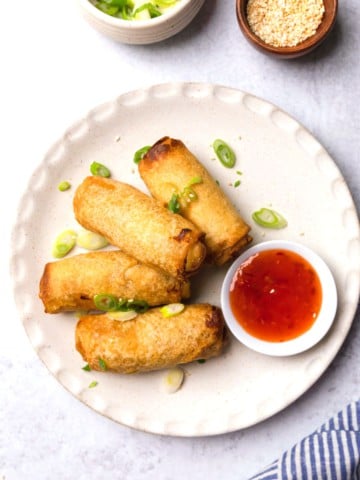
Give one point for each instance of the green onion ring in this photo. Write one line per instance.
(99, 170)
(139, 154)
(174, 204)
(224, 153)
(268, 218)
(106, 302)
(140, 306)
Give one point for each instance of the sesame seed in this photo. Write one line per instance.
(284, 23)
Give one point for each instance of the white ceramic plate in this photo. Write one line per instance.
(282, 167)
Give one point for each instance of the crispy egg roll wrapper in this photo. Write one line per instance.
(71, 283)
(168, 167)
(150, 341)
(139, 225)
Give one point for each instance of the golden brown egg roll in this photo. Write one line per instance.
(71, 283)
(167, 168)
(150, 341)
(139, 225)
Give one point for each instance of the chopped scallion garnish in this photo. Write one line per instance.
(172, 309)
(269, 218)
(106, 302)
(140, 306)
(120, 316)
(109, 303)
(187, 195)
(86, 368)
(173, 379)
(102, 364)
(194, 181)
(128, 10)
(64, 242)
(152, 10)
(139, 154)
(174, 204)
(93, 384)
(99, 170)
(237, 183)
(63, 186)
(224, 153)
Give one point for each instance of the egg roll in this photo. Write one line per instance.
(169, 168)
(150, 341)
(71, 283)
(138, 225)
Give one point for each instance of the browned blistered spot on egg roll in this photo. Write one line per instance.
(71, 283)
(139, 225)
(150, 341)
(167, 168)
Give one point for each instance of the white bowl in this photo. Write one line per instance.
(142, 32)
(323, 321)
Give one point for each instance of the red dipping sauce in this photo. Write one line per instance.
(276, 295)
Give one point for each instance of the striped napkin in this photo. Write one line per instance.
(330, 453)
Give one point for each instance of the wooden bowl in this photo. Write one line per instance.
(327, 23)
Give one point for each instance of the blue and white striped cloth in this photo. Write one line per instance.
(330, 453)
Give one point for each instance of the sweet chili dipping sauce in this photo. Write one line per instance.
(276, 295)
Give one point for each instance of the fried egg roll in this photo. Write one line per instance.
(169, 168)
(139, 225)
(150, 341)
(71, 283)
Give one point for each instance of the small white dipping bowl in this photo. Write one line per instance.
(142, 32)
(322, 323)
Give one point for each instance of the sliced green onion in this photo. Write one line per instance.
(86, 368)
(122, 304)
(189, 195)
(99, 170)
(166, 3)
(102, 364)
(269, 218)
(64, 242)
(63, 186)
(237, 183)
(140, 306)
(173, 379)
(153, 11)
(93, 384)
(110, 10)
(126, 10)
(109, 303)
(185, 197)
(123, 316)
(125, 13)
(194, 181)
(91, 240)
(201, 360)
(139, 154)
(118, 3)
(172, 309)
(106, 302)
(224, 153)
(174, 204)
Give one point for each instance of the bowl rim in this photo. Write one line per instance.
(138, 24)
(302, 48)
(320, 327)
